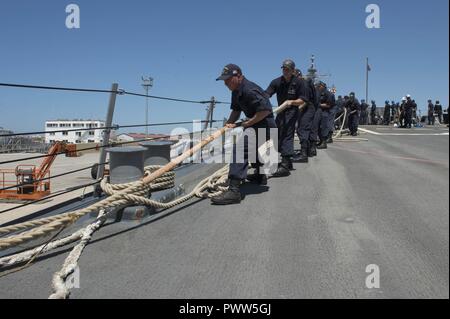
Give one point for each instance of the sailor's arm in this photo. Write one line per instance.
(234, 116)
(258, 117)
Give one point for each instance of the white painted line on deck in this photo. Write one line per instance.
(403, 134)
(387, 155)
(415, 129)
(369, 131)
(415, 134)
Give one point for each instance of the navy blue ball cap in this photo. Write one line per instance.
(228, 71)
(289, 64)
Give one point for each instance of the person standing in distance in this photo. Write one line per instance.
(438, 111)
(430, 112)
(327, 103)
(354, 108)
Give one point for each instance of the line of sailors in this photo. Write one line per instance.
(433, 110)
(402, 114)
(405, 113)
(311, 114)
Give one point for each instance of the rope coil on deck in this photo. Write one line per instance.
(208, 187)
(166, 181)
(120, 196)
(211, 186)
(132, 192)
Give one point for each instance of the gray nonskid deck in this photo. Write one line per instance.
(309, 235)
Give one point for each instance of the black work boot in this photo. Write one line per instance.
(330, 138)
(290, 166)
(312, 150)
(283, 168)
(301, 157)
(231, 196)
(322, 145)
(257, 178)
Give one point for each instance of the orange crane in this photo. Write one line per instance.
(28, 178)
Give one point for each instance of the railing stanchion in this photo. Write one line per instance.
(106, 135)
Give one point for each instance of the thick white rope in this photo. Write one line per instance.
(210, 186)
(167, 180)
(60, 289)
(46, 226)
(132, 193)
(215, 182)
(29, 254)
(339, 132)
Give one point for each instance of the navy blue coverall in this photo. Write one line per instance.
(430, 113)
(408, 113)
(314, 136)
(250, 99)
(354, 108)
(327, 114)
(286, 120)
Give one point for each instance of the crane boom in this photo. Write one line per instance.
(56, 148)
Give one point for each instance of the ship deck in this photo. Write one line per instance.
(310, 235)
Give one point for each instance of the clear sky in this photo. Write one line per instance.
(184, 45)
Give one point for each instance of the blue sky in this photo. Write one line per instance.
(184, 45)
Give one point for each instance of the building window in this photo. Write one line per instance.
(78, 141)
(65, 141)
(78, 133)
(65, 133)
(91, 133)
(91, 141)
(52, 134)
(52, 125)
(52, 141)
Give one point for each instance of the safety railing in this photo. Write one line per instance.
(10, 185)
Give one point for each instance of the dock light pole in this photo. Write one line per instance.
(147, 83)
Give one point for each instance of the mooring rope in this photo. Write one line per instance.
(339, 132)
(120, 196)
